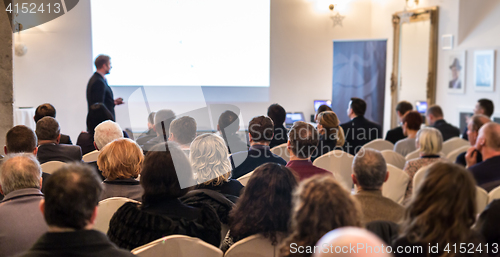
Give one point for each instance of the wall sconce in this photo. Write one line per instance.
(337, 18)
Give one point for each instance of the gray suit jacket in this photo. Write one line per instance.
(62, 153)
(129, 188)
(374, 207)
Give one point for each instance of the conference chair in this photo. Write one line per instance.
(452, 156)
(340, 164)
(281, 151)
(394, 158)
(244, 179)
(397, 183)
(482, 199)
(494, 194)
(52, 166)
(379, 144)
(107, 208)
(413, 155)
(418, 178)
(253, 246)
(178, 246)
(452, 144)
(91, 157)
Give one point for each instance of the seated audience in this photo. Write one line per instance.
(278, 114)
(488, 224)
(183, 131)
(302, 143)
(228, 127)
(359, 130)
(320, 205)
(411, 123)
(49, 110)
(70, 209)
(161, 213)
(163, 118)
(260, 131)
(435, 117)
(21, 222)
(473, 126)
(321, 108)
(151, 133)
(369, 174)
(331, 135)
(264, 207)
(429, 142)
(483, 107)
(49, 149)
(120, 162)
(488, 144)
(396, 134)
(441, 213)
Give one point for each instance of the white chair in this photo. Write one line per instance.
(452, 156)
(253, 246)
(52, 166)
(481, 199)
(281, 151)
(413, 155)
(91, 157)
(494, 194)
(379, 144)
(418, 178)
(244, 179)
(394, 158)
(395, 187)
(178, 246)
(107, 208)
(452, 144)
(340, 164)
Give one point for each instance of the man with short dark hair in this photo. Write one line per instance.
(396, 134)
(151, 133)
(278, 114)
(260, 132)
(369, 174)
(49, 110)
(183, 131)
(435, 117)
(49, 149)
(163, 119)
(70, 209)
(303, 140)
(359, 130)
(475, 123)
(228, 127)
(483, 106)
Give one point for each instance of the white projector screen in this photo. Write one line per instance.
(183, 42)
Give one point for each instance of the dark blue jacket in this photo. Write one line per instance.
(245, 162)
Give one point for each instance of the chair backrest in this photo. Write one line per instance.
(394, 158)
(395, 187)
(244, 179)
(107, 208)
(340, 164)
(379, 144)
(253, 246)
(178, 246)
(413, 155)
(494, 194)
(452, 156)
(91, 157)
(52, 166)
(418, 178)
(481, 199)
(452, 144)
(281, 151)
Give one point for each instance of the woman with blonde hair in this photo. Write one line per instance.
(320, 205)
(331, 134)
(120, 162)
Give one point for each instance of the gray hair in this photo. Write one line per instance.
(370, 168)
(430, 141)
(106, 132)
(19, 171)
(209, 159)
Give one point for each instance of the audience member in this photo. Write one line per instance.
(260, 131)
(278, 114)
(161, 213)
(411, 123)
(320, 205)
(441, 213)
(321, 108)
(429, 142)
(359, 130)
(183, 131)
(21, 222)
(488, 144)
(120, 162)
(488, 224)
(435, 117)
(228, 126)
(302, 143)
(49, 110)
(369, 174)
(49, 149)
(396, 134)
(163, 118)
(483, 106)
(70, 209)
(473, 126)
(265, 205)
(331, 135)
(151, 133)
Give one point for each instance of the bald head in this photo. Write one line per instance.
(489, 136)
(19, 171)
(340, 242)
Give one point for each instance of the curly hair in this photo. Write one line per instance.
(209, 159)
(320, 205)
(266, 203)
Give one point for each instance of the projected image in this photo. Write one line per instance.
(183, 43)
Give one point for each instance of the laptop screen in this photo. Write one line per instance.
(318, 103)
(421, 106)
(293, 117)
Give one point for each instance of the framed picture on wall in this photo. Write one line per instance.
(484, 70)
(456, 73)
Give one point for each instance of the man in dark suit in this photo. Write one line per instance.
(260, 132)
(396, 134)
(475, 123)
(49, 149)
(163, 118)
(151, 133)
(228, 126)
(483, 106)
(278, 114)
(359, 130)
(435, 117)
(49, 110)
(98, 90)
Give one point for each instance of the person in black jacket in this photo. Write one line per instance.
(435, 117)
(278, 114)
(49, 110)
(475, 123)
(49, 149)
(396, 134)
(228, 126)
(483, 106)
(331, 134)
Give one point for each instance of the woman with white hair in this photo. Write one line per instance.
(429, 142)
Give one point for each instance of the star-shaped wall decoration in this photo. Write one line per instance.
(337, 19)
(405, 17)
